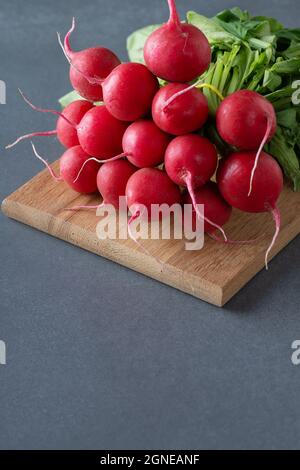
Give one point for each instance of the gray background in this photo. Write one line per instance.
(99, 356)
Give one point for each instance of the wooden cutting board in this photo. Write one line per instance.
(213, 274)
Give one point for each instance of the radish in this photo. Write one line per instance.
(112, 179)
(75, 111)
(144, 145)
(129, 90)
(70, 163)
(149, 186)
(89, 67)
(66, 123)
(187, 114)
(233, 177)
(145, 187)
(191, 155)
(191, 161)
(216, 208)
(177, 52)
(247, 121)
(100, 134)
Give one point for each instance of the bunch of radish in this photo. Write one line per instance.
(144, 142)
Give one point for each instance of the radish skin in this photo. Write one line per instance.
(112, 179)
(129, 90)
(186, 114)
(101, 134)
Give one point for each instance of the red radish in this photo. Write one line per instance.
(100, 134)
(149, 186)
(89, 67)
(247, 121)
(187, 114)
(70, 163)
(191, 161)
(191, 154)
(144, 145)
(177, 52)
(216, 208)
(112, 179)
(145, 187)
(75, 111)
(129, 90)
(233, 181)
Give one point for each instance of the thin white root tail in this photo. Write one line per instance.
(78, 208)
(52, 173)
(215, 237)
(188, 180)
(29, 136)
(45, 110)
(197, 85)
(141, 246)
(261, 147)
(277, 219)
(118, 157)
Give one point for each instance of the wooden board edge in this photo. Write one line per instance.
(286, 236)
(112, 250)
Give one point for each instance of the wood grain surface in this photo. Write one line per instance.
(214, 273)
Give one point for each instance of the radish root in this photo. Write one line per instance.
(189, 184)
(197, 85)
(263, 143)
(29, 136)
(51, 171)
(215, 237)
(141, 246)
(117, 157)
(45, 110)
(277, 219)
(78, 208)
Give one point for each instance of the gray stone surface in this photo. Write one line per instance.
(99, 356)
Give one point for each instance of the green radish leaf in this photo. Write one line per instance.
(136, 42)
(72, 96)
